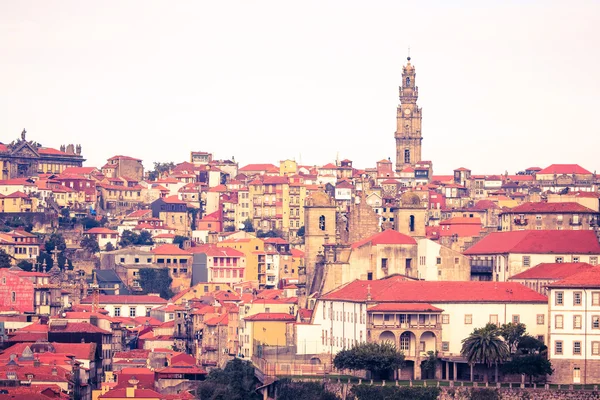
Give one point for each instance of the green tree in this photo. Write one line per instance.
(229, 228)
(56, 241)
(429, 364)
(300, 232)
(512, 333)
(153, 280)
(144, 239)
(248, 227)
(180, 240)
(129, 238)
(531, 365)
(109, 247)
(25, 265)
(485, 346)
(381, 359)
(159, 169)
(90, 244)
(235, 382)
(289, 390)
(5, 259)
(89, 223)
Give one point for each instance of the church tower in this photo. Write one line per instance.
(408, 121)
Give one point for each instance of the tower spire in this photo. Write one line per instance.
(408, 57)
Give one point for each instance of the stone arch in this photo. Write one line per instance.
(387, 336)
(315, 361)
(407, 343)
(429, 341)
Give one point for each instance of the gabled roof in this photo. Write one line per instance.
(169, 250)
(560, 169)
(588, 278)
(389, 236)
(552, 271)
(541, 208)
(126, 299)
(99, 230)
(537, 242)
(256, 167)
(271, 317)
(407, 291)
(410, 307)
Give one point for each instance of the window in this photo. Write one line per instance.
(575, 259)
(516, 319)
(445, 318)
(322, 222)
(558, 347)
(148, 309)
(406, 154)
(595, 321)
(132, 311)
(117, 311)
(468, 319)
(559, 298)
(456, 260)
(384, 263)
(558, 321)
(576, 348)
(576, 298)
(494, 319)
(445, 346)
(596, 298)
(540, 319)
(558, 260)
(596, 348)
(122, 259)
(438, 260)
(526, 261)
(136, 260)
(13, 296)
(594, 260)
(576, 321)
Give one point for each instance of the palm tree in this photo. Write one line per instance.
(485, 346)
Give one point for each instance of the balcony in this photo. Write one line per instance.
(520, 221)
(404, 325)
(482, 266)
(575, 221)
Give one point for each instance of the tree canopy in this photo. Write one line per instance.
(180, 240)
(129, 238)
(289, 390)
(156, 280)
(485, 346)
(159, 169)
(378, 358)
(5, 259)
(248, 227)
(90, 244)
(235, 382)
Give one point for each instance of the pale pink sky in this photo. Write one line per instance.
(504, 85)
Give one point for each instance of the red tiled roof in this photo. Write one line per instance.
(414, 307)
(297, 253)
(99, 230)
(123, 158)
(399, 291)
(537, 242)
(121, 393)
(256, 167)
(173, 200)
(125, 299)
(560, 169)
(540, 207)
(78, 327)
(552, 271)
(461, 220)
(589, 278)
(270, 317)
(215, 251)
(170, 250)
(222, 319)
(389, 236)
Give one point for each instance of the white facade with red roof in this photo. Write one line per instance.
(127, 305)
(574, 328)
(103, 236)
(561, 177)
(418, 316)
(500, 255)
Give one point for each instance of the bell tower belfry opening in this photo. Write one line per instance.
(408, 121)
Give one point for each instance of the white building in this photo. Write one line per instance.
(574, 342)
(418, 316)
(103, 236)
(128, 305)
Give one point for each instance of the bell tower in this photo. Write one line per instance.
(408, 121)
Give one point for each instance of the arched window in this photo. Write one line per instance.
(322, 222)
(411, 223)
(407, 156)
(408, 81)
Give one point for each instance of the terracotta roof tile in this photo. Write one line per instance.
(270, 317)
(552, 271)
(389, 236)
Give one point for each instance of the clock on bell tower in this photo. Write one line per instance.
(408, 121)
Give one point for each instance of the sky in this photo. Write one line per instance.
(504, 85)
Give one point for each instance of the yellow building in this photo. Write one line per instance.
(250, 247)
(264, 329)
(288, 167)
(199, 290)
(276, 204)
(18, 202)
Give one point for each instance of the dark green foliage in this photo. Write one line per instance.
(25, 265)
(368, 392)
(56, 241)
(300, 232)
(485, 394)
(153, 280)
(378, 358)
(428, 365)
(270, 234)
(5, 259)
(128, 238)
(179, 240)
(512, 333)
(532, 365)
(90, 244)
(159, 169)
(248, 227)
(229, 228)
(485, 346)
(109, 247)
(89, 223)
(193, 215)
(235, 382)
(288, 390)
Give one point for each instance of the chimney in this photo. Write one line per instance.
(130, 390)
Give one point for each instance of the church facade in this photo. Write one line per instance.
(408, 121)
(23, 158)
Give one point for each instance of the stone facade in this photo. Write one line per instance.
(564, 371)
(408, 120)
